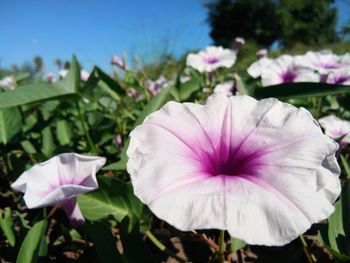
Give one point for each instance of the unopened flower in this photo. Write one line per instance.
(263, 170)
(118, 62)
(239, 41)
(133, 93)
(324, 61)
(156, 86)
(211, 58)
(51, 77)
(7, 83)
(256, 68)
(84, 75)
(58, 181)
(261, 53)
(284, 70)
(336, 128)
(228, 88)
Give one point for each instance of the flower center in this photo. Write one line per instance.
(211, 60)
(288, 76)
(233, 163)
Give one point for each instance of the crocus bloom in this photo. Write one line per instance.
(118, 62)
(263, 170)
(211, 58)
(324, 61)
(336, 128)
(58, 181)
(156, 86)
(227, 88)
(239, 41)
(7, 83)
(256, 68)
(261, 53)
(340, 76)
(283, 70)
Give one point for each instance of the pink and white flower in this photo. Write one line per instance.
(227, 88)
(58, 181)
(263, 170)
(51, 77)
(211, 58)
(7, 83)
(340, 76)
(324, 61)
(284, 70)
(256, 68)
(336, 128)
(156, 86)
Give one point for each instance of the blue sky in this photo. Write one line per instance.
(94, 30)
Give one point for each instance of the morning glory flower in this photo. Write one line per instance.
(7, 83)
(284, 70)
(227, 88)
(340, 76)
(51, 77)
(345, 59)
(324, 61)
(336, 128)
(211, 58)
(156, 86)
(58, 181)
(256, 68)
(262, 170)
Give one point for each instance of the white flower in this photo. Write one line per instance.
(284, 70)
(51, 77)
(256, 68)
(340, 76)
(156, 86)
(324, 61)
(211, 58)
(84, 75)
(228, 88)
(336, 128)
(58, 181)
(261, 53)
(7, 83)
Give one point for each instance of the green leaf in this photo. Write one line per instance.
(299, 90)
(237, 244)
(345, 165)
(48, 145)
(64, 132)
(36, 92)
(336, 236)
(10, 124)
(6, 225)
(185, 90)
(30, 248)
(101, 235)
(132, 241)
(28, 147)
(113, 197)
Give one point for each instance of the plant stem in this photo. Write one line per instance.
(221, 251)
(163, 248)
(310, 257)
(86, 133)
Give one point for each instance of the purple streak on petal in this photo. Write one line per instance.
(73, 212)
(211, 60)
(289, 76)
(340, 79)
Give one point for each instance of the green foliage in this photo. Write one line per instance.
(289, 22)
